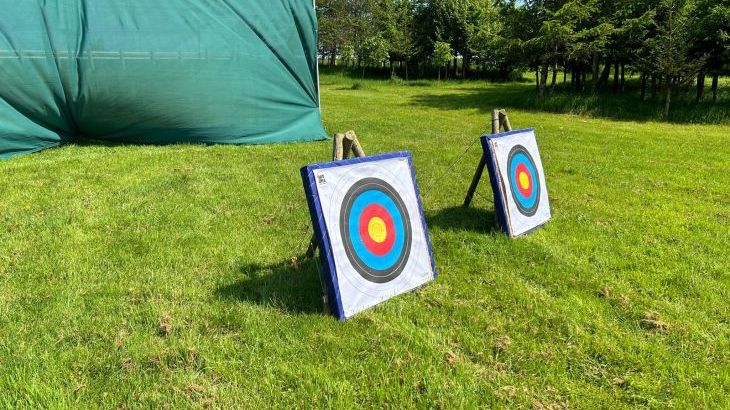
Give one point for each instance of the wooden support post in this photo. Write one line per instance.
(504, 121)
(354, 144)
(499, 120)
(337, 147)
(475, 180)
(495, 121)
(312, 246)
(346, 146)
(342, 146)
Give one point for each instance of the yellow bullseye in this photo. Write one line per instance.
(377, 230)
(524, 180)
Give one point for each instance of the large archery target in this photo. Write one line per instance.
(375, 227)
(522, 181)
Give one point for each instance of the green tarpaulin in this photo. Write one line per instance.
(158, 72)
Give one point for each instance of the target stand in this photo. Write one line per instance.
(371, 231)
(516, 174)
(499, 120)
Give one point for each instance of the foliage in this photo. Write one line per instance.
(347, 54)
(669, 51)
(374, 51)
(442, 53)
(589, 39)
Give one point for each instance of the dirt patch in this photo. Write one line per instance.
(451, 358)
(652, 321)
(502, 344)
(128, 364)
(164, 325)
(294, 263)
(619, 381)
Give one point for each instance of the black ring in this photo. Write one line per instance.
(370, 274)
(536, 180)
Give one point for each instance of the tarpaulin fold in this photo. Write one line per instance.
(138, 71)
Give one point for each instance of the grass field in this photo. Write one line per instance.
(138, 276)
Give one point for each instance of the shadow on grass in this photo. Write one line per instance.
(627, 106)
(460, 218)
(279, 286)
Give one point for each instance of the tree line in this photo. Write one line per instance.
(672, 45)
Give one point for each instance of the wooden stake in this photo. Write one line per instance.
(337, 146)
(354, 144)
(495, 121)
(346, 145)
(499, 119)
(475, 180)
(504, 120)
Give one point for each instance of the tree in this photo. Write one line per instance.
(549, 45)
(631, 20)
(669, 50)
(395, 23)
(333, 33)
(442, 54)
(670, 43)
(463, 24)
(710, 33)
(374, 52)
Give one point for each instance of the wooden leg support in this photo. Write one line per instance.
(475, 181)
(499, 120)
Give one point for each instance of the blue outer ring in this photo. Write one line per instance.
(370, 259)
(370, 266)
(526, 201)
(526, 205)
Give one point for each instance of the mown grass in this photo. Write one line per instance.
(137, 276)
(563, 98)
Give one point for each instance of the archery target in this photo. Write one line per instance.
(373, 220)
(521, 181)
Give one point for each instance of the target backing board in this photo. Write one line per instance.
(518, 181)
(369, 223)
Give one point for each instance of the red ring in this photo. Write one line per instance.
(528, 191)
(371, 211)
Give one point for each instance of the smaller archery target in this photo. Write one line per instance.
(518, 181)
(370, 226)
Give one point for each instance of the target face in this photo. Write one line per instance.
(524, 180)
(369, 223)
(376, 229)
(518, 181)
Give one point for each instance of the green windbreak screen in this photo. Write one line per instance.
(158, 72)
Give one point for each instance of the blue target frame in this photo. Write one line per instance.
(329, 273)
(500, 199)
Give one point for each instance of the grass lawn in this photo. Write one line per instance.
(138, 276)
